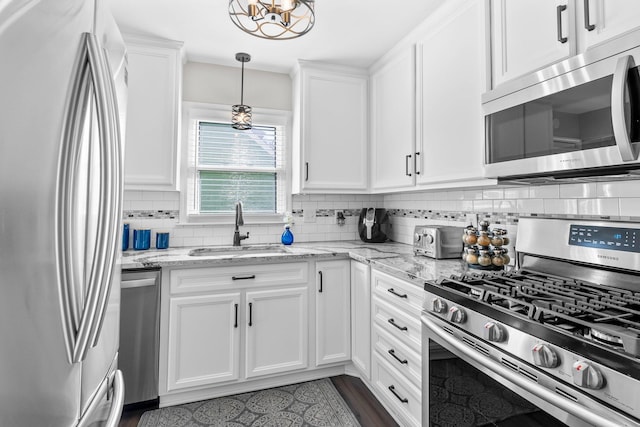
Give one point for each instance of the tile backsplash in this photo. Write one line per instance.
(315, 214)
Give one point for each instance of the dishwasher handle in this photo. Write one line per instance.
(138, 283)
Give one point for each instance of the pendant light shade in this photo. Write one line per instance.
(240, 113)
(273, 19)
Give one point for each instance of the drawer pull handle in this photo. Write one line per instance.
(393, 353)
(391, 290)
(235, 324)
(393, 322)
(392, 389)
(561, 8)
(250, 314)
(320, 274)
(252, 276)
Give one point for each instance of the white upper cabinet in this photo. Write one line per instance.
(451, 77)
(153, 114)
(528, 35)
(393, 106)
(607, 19)
(329, 152)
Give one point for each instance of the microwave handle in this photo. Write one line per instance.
(617, 108)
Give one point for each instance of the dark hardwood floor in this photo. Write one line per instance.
(365, 407)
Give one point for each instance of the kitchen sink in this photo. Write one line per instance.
(237, 251)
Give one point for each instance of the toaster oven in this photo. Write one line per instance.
(437, 241)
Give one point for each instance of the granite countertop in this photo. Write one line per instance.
(393, 258)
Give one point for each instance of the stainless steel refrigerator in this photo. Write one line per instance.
(62, 109)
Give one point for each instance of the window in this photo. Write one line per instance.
(226, 165)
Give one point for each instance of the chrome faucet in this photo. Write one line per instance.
(237, 237)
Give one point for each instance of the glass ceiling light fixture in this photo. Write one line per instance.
(273, 19)
(241, 114)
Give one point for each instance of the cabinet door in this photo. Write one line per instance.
(333, 318)
(452, 78)
(333, 132)
(607, 19)
(525, 36)
(277, 331)
(393, 123)
(361, 318)
(204, 344)
(155, 79)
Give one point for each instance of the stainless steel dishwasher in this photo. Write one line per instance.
(140, 334)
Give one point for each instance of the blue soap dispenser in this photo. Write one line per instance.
(287, 236)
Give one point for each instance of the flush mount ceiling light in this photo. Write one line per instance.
(241, 114)
(273, 19)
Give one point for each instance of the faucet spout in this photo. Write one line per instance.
(237, 237)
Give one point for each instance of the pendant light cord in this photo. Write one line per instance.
(242, 86)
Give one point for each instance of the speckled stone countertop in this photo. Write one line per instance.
(393, 258)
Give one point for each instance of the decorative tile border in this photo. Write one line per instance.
(161, 214)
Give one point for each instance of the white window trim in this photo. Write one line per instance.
(194, 111)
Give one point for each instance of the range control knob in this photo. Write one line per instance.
(438, 305)
(456, 315)
(417, 237)
(429, 238)
(494, 332)
(586, 375)
(544, 356)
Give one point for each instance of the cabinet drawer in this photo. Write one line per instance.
(406, 328)
(215, 278)
(400, 394)
(405, 360)
(402, 294)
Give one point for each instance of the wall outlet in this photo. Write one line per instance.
(471, 219)
(309, 215)
(339, 215)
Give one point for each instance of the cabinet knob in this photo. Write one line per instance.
(494, 332)
(544, 356)
(586, 375)
(456, 315)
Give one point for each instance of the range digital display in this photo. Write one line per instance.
(613, 238)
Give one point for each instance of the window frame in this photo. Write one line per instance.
(218, 113)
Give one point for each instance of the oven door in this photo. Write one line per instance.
(471, 383)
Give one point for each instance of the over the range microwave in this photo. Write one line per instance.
(577, 118)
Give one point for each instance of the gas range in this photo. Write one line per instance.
(568, 319)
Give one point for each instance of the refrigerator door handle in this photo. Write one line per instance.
(113, 169)
(118, 400)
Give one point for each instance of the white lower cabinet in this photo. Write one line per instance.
(404, 398)
(204, 340)
(361, 318)
(277, 331)
(333, 312)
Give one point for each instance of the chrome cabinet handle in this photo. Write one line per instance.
(587, 25)
(320, 274)
(406, 165)
(393, 322)
(392, 389)
(392, 291)
(618, 120)
(306, 171)
(393, 353)
(250, 314)
(561, 8)
(415, 163)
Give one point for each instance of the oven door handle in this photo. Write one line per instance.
(587, 414)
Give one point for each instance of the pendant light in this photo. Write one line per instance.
(241, 114)
(273, 19)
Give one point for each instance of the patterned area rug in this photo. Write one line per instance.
(313, 404)
(461, 396)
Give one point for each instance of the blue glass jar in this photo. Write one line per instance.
(125, 237)
(162, 240)
(287, 236)
(141, 239)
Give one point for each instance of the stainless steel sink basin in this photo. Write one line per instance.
(238, 251)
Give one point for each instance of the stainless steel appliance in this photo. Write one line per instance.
(373, 224)
(562, 331)
(63, 90)
(579, 118)
(437, 241)
(140, 334)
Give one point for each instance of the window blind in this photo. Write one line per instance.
(237, 165)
